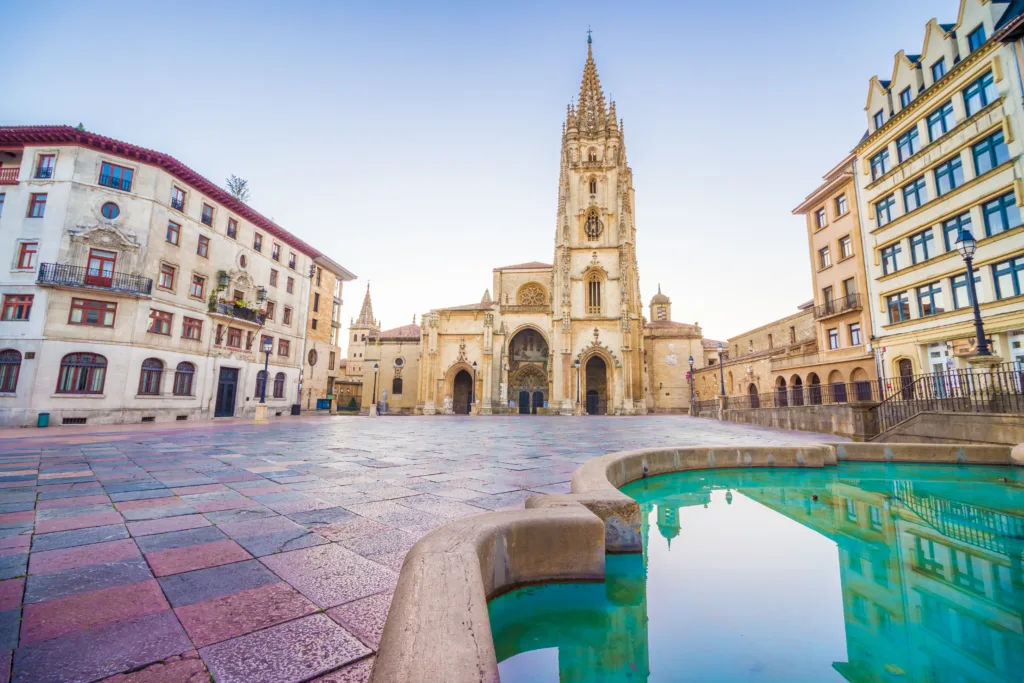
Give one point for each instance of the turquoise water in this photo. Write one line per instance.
(861, 572)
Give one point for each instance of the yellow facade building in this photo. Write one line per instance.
(323, 366)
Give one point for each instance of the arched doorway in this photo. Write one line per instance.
(906, 381)
(528, 370)
(462, 393)
(597, 386)
(755, 400)
(796, 391)
(780, 393)
(814, 389)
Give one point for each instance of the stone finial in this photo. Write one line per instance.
(593, 115)
(366, 312)
(486, 299)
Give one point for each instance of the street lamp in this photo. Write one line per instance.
(268, 346)
(721, 371)
(967, 245)
(576, 364)
(376, 369)
(691, 380)
(474, 383)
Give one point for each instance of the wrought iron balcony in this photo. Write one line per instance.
(44, 172)
(844, 304)
(9, 175)
(116, 182)
(178, 204)
(63, 275)
(237, 312)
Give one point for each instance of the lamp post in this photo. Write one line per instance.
(721, 370)
(690, 377)
(261, 407)
(373, 396)
(473, 396)
(967, 245)
(579, 407)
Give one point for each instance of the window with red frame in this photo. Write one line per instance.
(191, 328)
(275, 251)
(273, 278)
(291, 261)
(37, 205)
(271, 310)
(283, 346)
(89, 312)
(232, 228)
(291, 285)
(261, 380)
(195, 290)
(17, 306)
(116, 177)
(27, 252)
(234, 338)
(207, 217)
(173, 233)
(178, 199)
(183, 379)
(279, 385)
(10, 367)
(166, 276)
(44, 169)
(257, 241)
(203, 247)
(160, 322)
(286, 317)
(82, 373)
(150, 376)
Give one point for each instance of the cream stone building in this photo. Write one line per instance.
(668, 347)
(563, 337)
(324, 363)
(138, 290)
(943, 154)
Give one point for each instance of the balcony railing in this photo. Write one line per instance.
(44, 172)
(9, 175)
(63, 275)
(850, 302)
(177, 204)
(238, 312)
(116, 182)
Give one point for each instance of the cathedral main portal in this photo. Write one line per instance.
(528, 372)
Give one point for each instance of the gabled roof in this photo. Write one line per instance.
(405, 332)
(532, 265)
(20, 136)
(471, 307)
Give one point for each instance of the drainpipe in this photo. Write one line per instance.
(1016, 64)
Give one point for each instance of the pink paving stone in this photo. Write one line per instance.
(288, 653)
(264, 490)
(184, 668)
(258, 527)
(166, 501)
(49, 561)
(81, 522)
(356, 527)
(235, 615)
(4, 552)
(46, 620)
(5, 665)
(356, 672)
(11, 591)
(220, 505)
(160, 526)
(364, 618)
(70, 502)
(17, 542)
(204, 488)
(330, 575)
(17, 517)
(178, 560)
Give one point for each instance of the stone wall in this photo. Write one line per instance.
(945, 427)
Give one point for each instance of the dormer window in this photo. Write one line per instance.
(593, 186)
(939, 69)
(879, 119)
(976, 38)
(905, 97)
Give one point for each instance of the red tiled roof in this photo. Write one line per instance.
(532, 265)
(19, 136)
(666, 323)
(471, 307)
(411, 331)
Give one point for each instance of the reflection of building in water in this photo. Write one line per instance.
(932, 587)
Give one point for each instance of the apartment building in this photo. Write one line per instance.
(138, 290)
(943, 155)
(324, 364)
(842, 322)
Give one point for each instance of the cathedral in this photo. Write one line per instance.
(566, 337)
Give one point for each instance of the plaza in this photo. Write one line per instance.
(144, 553)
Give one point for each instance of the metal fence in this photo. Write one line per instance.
(61, 274)
(807, 395)
(999, 389)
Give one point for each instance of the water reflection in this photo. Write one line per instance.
(929, 570)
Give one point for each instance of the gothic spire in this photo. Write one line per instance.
(366, 312)
(591, 110)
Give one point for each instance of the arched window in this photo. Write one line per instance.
(593, 227)
(279, 385)
(261, 378)
(149, 378)
(183, 379)
(355, 337)
(593, 293)
(396, 386)
(592, 155)
(10, 365)
(82, 373)
(593, 186)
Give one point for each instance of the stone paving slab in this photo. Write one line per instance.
(146, 554)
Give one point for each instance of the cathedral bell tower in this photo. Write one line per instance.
(596, 304)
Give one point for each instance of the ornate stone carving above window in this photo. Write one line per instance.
(531, 294)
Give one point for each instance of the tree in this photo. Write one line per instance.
(238, 187)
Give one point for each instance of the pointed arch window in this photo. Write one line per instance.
(594, 293)
(593, 186)
(149, 378)
(279, 385)
(396, 386)
(592, 155)
(593, 227)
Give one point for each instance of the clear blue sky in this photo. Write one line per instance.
(417, 144)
